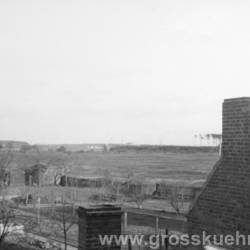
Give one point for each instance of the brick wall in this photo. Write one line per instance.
(95, 221)
(224, 204)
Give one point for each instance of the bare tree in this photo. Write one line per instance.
(63, 218)
(5, 160)
(201, 139)
(6, 210)
(195, 138)
(139, 195)
(136, 190)
(176, 198)
(208, 138)
(110, 191)
(132, 189)
(6, 216)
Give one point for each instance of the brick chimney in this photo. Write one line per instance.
(224, 204)
(236, 128)
(95, 221)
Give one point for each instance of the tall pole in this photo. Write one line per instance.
(38, 210)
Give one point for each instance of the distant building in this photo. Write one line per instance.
(72, 180)
(185, 192)
(39, 175)
(78, 148)
(12, 145)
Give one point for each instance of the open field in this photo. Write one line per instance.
(149, 165)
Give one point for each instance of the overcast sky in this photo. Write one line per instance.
(141, 71)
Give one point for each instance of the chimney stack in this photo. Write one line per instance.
(96, 221)
(224, 203)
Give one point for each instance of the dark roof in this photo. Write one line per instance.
(37, 167)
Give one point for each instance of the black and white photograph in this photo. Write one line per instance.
(124, 125)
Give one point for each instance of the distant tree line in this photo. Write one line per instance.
(208, 139)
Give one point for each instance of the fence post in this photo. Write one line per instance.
(125, 221)
(156, 225)
(74, 191)
(166, 239)
(129, 245)
(160, 241)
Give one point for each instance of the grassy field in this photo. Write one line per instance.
(149, 165)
